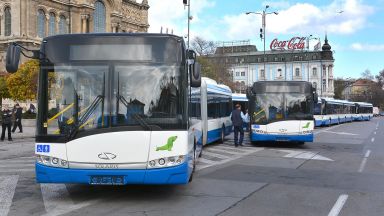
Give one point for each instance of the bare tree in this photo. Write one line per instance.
(367, 75)
(203, 47)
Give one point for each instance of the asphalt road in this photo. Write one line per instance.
(341, 173)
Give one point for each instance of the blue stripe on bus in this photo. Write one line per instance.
(214, 135)
(318, 123)
(274, 137)
(171, 175)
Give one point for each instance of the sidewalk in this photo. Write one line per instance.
(28, 133)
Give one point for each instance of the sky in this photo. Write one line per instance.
(355, 28)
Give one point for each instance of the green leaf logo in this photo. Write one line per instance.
(169, 144)
(307, 125)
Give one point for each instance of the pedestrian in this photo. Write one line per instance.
(237, 118)
(32, 108)
(18, 114)
(246, 120)
(6, 124)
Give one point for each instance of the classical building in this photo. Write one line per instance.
(28, 21)
(249, 65)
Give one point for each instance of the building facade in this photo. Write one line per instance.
(249, 65)
(28, 21)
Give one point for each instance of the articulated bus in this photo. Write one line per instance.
(329, 111)
(364, 111)
(282, 111)
(216, 108)
(121, 112)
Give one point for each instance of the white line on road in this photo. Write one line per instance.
(338, 205)
(57, 201)
(320, 131)
(7, 190)
(367, 153)
(374, 133)
(364, 161)
(373, 140)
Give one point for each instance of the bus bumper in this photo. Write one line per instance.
(275, 137)
(170, 175)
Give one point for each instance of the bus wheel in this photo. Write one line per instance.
(222, 136)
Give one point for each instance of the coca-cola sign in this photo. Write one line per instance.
(295, 43)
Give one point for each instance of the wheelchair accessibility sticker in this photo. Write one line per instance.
(42, 148)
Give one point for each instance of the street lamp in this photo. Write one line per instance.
(262, 30)
(188, 4)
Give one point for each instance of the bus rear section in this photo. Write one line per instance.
(281, 111)
(216, 107)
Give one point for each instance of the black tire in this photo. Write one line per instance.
(222, 136)
(300, 143)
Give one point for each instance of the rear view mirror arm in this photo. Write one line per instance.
(35, 53)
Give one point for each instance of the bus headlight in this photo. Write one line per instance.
(166, 162)
(51, 161)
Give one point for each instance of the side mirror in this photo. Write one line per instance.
(191, 55)
(13, 58)
(195, 75)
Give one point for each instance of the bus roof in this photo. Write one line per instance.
(239, 97)
(213, 86)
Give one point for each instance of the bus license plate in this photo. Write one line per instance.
(107, 180)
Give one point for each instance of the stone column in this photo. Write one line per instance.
(46, 24)
(114, 27)
(1, 24)
(327, 79)
(84, 23)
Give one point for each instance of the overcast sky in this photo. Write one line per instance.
(355, 28)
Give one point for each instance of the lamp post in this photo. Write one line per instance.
(310, 37)
(262, 30)
(188, 4)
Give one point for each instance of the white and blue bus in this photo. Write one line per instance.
(282, 111)
(364, 111)
(212, 105)
(121, 113)
(329, 111)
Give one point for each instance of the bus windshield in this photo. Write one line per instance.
(271, 107)
(124, 92)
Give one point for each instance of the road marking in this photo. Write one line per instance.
(320, 131)
(304, 155)
(364, 161)
(342, 133)
(57, 201)
(374, 133)
(209, 163)
(367, 153)
(206, 152)
(338, 205)
(373, 140)
(7, 190)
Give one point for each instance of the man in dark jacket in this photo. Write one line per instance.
(18, 114)
(6, 124)
(237, 118)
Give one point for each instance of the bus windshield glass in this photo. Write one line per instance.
(281, 104)
(84, 96)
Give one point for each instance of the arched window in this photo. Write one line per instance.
(7, 21)
(52, 24)
(99, 17)
(63, 25)
(40, 23)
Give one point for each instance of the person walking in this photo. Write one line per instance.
(237, 118)
(6, 124)
(18, 114)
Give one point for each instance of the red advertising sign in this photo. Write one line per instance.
(296, 43)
